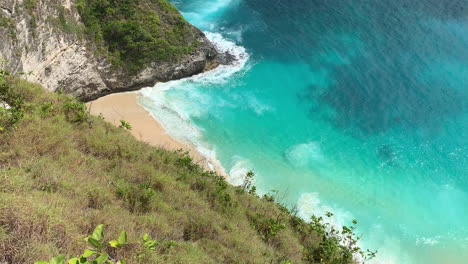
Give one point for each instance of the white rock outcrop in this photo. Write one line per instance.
(33, 43)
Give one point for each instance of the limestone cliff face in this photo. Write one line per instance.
(38, 37)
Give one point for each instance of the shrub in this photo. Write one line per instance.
(46, 109)
(185, 162)
(148, 244)
(336, 246)
(247, 184)
(266, 227)
(11, 114)
(75, 112)
(133, 33)
(125, 125)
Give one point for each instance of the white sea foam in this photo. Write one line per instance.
(429, 241)
(390, 251)
(310, 204)
(206, 9)
(239, 170)
(257, 106)
(175, 110)
(304, 155)
(221, 74)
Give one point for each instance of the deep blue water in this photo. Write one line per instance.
(357, 107)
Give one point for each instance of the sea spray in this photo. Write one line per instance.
(175, 112)
(304, 155)
(239, 170)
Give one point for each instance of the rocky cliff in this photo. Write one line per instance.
(45, 39)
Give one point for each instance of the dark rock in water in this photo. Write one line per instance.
(226, 58)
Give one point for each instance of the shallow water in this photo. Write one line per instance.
(356, 107)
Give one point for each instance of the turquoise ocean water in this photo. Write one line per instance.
(355, 107)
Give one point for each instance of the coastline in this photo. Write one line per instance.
(124, 106)
(147, 128)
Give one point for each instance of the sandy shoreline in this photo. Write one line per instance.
(124, 106)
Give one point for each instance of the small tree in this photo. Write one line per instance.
(248, 180)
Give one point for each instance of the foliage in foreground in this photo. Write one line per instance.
(63, 172)
(97, 253)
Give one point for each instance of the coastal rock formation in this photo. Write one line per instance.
(45, 41)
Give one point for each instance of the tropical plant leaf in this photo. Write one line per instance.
(98, 232)
(93, 242)
(87, 253)
(102, 258)
(58, 260)
(74, 261)
(123, 238)
(114, 244)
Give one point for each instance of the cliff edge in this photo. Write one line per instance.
(81, 46)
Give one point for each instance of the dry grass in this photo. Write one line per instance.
(58, 180)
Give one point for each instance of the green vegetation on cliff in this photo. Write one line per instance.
(63, 172)
(136, 32)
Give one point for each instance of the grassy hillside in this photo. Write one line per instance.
(63, 172)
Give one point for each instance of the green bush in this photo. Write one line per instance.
(336, 246)
(267, 227)
(125, 125)
(137, 32)
(75, 112)
(9, 116)
(46, 109)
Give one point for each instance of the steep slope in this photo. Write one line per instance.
(91, 48)
(63, 172)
